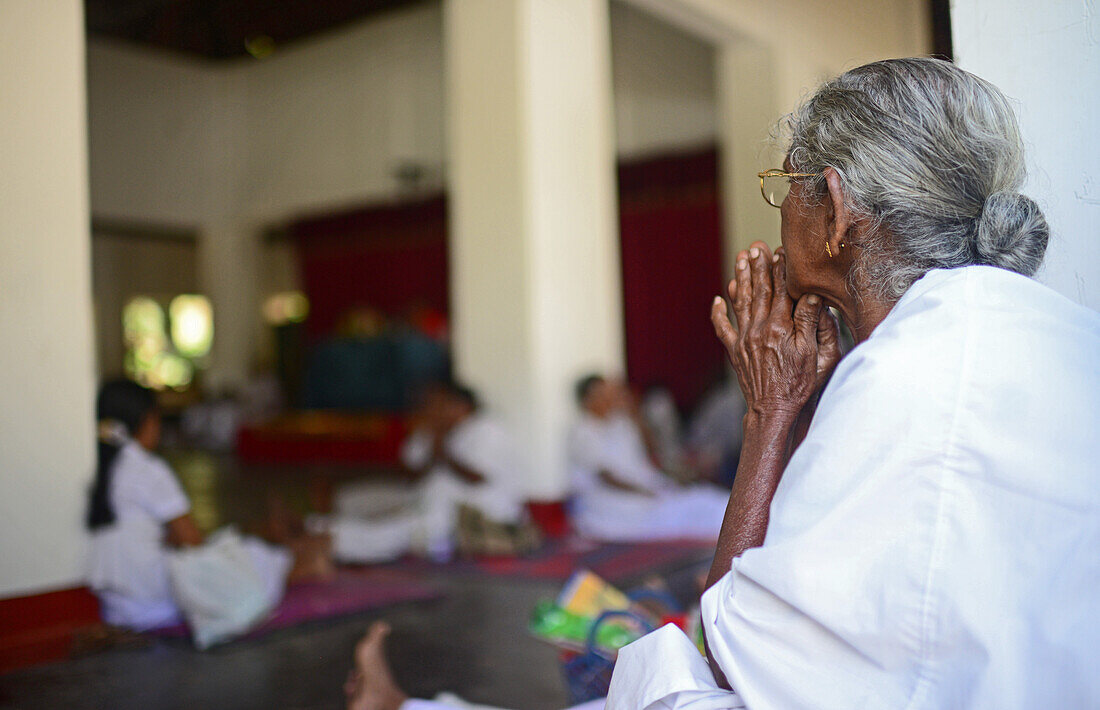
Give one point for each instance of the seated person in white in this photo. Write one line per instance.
(138, 512)
(714, 433)
(460, 457)
(932, 541)
(618, 492)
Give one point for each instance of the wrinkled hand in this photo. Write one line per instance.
(782, 352)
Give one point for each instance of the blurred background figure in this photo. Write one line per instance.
(467, 490)
(662, 419)
(714, 435)
(619, 490)
(138, 513)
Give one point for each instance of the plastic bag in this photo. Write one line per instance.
(218, 589)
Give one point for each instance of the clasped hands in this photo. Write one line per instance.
(781, 351)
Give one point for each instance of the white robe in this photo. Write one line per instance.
(449, 701)
(478, 442)
(128, 561)
(603, 512)
(933, 542)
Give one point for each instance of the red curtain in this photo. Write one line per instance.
(387, 257)
(671, 229)
(390, 256)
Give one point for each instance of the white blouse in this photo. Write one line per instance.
(484, 445)
(614, 445)
(128, 569)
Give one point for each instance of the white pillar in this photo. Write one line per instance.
(747, 113)
(47, 431)
(536, 286)
(228, 276)
(1046, 56)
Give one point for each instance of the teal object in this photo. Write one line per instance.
(381, 373)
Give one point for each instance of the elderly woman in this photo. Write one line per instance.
(930, 540)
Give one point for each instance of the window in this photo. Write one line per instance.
(192, 325)
(165, 347)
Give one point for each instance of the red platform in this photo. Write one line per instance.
(38, 628)
(324, 437)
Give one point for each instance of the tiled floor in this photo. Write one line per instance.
(472, 641)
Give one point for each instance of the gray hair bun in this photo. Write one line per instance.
(930, 156)
(1012, 233)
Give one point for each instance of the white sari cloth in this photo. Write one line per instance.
(431, 517)
(450, 701)
(934, 541)
(602, 512)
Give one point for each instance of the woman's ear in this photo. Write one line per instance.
(841, 218)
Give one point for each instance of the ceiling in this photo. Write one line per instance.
(224, 29)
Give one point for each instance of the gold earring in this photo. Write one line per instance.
(828, 249)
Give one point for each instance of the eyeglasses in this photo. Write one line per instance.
(776, 183)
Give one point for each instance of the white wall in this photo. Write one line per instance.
(1046, 56)
(805, 40)
(151, 135)
(46, 410)
(229, 275)
(327, 121)
(664, 85)
(812, 41)
(324, 123)
(768, 60)
(535, 290)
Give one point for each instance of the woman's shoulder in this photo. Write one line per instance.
(978, 356)
(977, 312)
(139, 468)
(142, 480)
(137, 456)
(987, 291)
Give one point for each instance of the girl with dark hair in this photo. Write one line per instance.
(138, 513)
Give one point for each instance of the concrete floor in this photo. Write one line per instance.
(472, 642)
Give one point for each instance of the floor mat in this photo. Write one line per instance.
(558, 559)
(352, 590)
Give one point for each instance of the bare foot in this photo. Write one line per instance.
(371, 685)
(312, 558)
